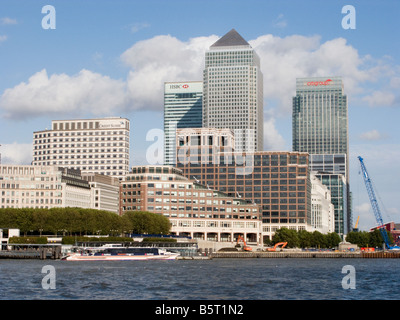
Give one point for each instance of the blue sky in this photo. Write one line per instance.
(111, 58)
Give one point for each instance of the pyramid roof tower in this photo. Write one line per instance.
(232, 38)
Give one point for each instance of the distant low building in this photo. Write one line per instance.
(394, 229)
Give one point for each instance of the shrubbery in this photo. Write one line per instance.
(30, 240)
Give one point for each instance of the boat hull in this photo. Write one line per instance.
(80, 257)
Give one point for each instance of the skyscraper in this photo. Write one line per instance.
(320, 124)
(182, 109)
(320, 127)
(233, 91)
(90, 145)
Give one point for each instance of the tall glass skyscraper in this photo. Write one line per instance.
(233, 91)
(320, 127)
(182, 109)
(320, 122)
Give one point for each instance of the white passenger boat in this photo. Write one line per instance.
(120, 253)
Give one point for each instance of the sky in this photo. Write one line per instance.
(111, 58)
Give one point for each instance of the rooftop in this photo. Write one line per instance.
(232, 38)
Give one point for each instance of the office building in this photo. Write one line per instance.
(104, 191)
(27, 186)
(322, 209)
(320, 123)
(183, 103)
(194, 210)
(278, 182)
(90, 145)
(320, 127)
(233, 91)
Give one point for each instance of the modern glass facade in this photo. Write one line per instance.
(336, 183)
(320, 124)
(320, 127)
(182, 109)
(233, 91)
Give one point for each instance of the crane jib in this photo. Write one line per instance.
(374, 204)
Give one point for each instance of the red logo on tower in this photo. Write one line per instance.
(185, 86)
(319, 83)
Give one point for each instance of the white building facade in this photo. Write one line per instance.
(90, 145)
(322, 209)
(104, 192)
(26, 186)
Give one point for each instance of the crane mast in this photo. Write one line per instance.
(374, 203)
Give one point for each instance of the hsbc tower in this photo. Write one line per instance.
(183, 102)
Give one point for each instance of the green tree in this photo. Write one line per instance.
(143, 222)
(318, 240)
(39, 220)
(305, 239)
(287, 235)
(332, 240)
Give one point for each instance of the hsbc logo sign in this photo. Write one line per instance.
(179, 86)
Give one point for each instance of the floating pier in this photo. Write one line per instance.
(30, 251)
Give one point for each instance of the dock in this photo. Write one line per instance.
(306, 254)
(31, 251)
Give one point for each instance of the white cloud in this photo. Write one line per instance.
(63, 94)
(380, 99)
(139, 26)
(372, 135)
(8, 21)
(273, 141)
(285, 59)
(16, 153)
(165, 58)
(3, 38)
(280, 22)
(161, 59)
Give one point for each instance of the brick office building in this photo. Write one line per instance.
(193, 209)
(277, 181)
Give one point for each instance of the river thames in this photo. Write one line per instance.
(217, 279)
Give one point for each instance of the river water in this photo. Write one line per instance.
(217, 279)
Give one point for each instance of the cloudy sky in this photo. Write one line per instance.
(111, 58)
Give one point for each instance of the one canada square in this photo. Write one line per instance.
(233, 91)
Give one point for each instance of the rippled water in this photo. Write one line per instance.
(256, 279)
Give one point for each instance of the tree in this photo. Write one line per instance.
(146, 222)
(39, 220)
(318, 240)
(305, 239)
(332, 240)
(287, 235)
